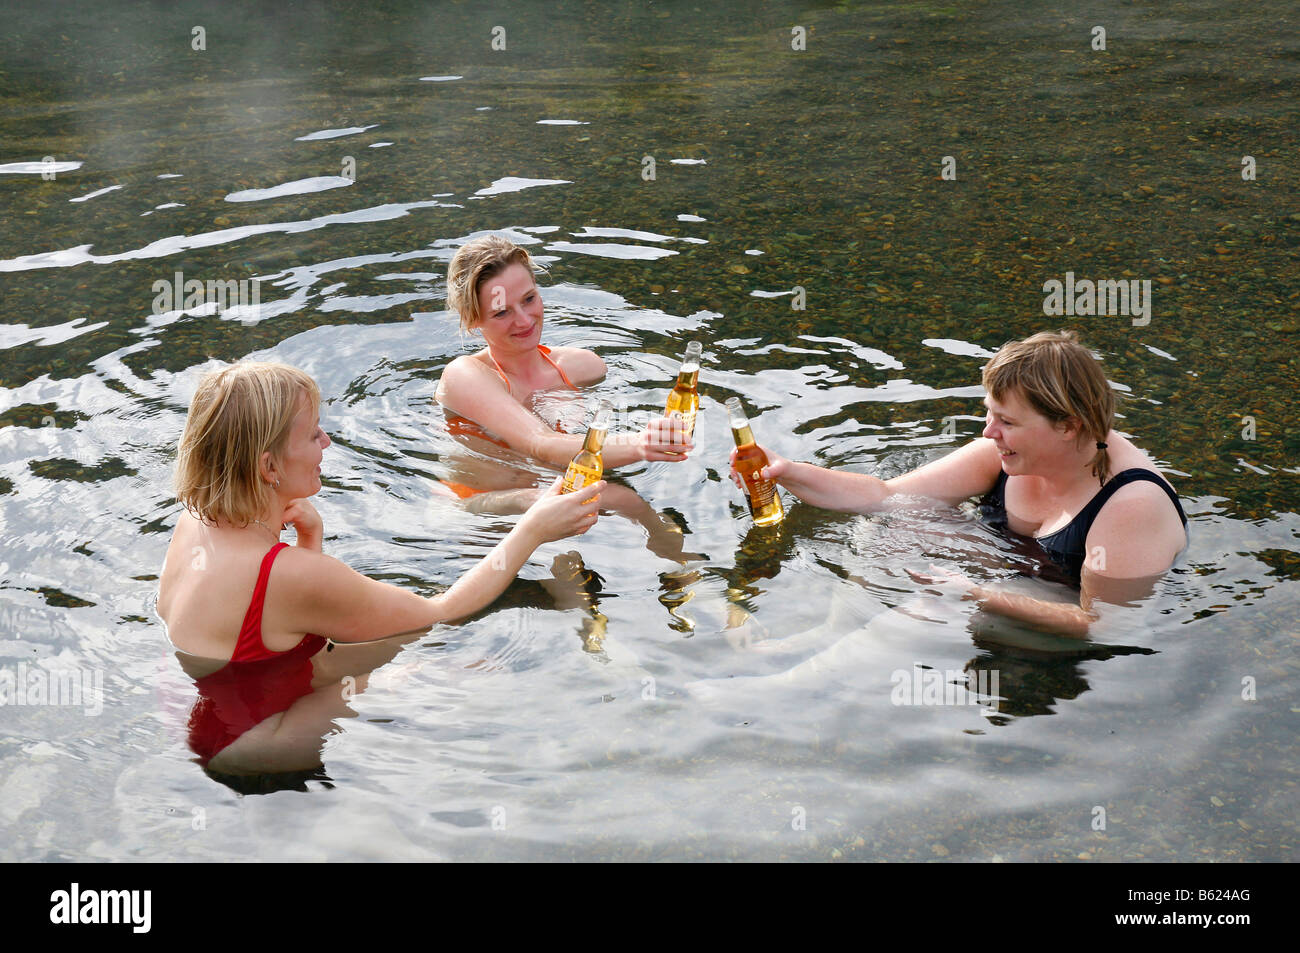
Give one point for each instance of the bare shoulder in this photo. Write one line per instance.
(1143, 496)
(469, 367)
(305, 571)
(467, 373)
(581, 366)
(1138, 531)
(303, 586)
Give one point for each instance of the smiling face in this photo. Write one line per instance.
(1028, 442)
(297, 464)
(511, 309)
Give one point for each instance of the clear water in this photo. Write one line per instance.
(516, 735)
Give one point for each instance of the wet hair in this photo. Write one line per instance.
(238, 413)
(1059, 378)
(478, 260)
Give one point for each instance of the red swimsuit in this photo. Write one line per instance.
(256, 684)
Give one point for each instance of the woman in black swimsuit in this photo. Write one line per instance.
(1050, 471)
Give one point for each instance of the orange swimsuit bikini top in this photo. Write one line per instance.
(546, 356)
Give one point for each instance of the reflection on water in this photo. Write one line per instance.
(676, 682)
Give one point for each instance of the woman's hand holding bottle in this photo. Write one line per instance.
(557, 515)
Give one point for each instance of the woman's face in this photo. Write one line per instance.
(297, 465)
(511, 309)
(1028, 442)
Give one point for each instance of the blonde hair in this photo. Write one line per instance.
(473, 264)
(239, 412)
(1060, 379)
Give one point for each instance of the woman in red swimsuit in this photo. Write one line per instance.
(251, 614)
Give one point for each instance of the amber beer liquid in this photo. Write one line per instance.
(684, 399)
(764, 501)
(587, 467)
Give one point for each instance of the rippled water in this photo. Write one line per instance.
(536, 730)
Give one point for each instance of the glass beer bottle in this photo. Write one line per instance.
(587, 467)
(764, 501)
(684, 399)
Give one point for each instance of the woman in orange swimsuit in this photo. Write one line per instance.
(248, 461)
(491, 284)
(487, 395)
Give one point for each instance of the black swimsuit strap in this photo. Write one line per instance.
(1066, 547)
(1088, 514)
(993, 504)
(999, 491)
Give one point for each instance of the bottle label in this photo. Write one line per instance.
(687, 418)
(760, 492)
(578, 476)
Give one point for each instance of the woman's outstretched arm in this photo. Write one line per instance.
(319, 594)
(966, 472)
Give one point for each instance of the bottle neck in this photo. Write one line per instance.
(688, 376)
(742, 434)
(594, 441)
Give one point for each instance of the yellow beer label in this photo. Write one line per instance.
(760, 491)
(687, 418)
(578, 476)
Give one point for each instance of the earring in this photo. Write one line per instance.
(276, 485)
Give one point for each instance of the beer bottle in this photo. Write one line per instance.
(684, 400)
(764, 501)
(587, 467)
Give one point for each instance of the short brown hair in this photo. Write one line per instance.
(474, 263)
(1060, 379)
(238, 413)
